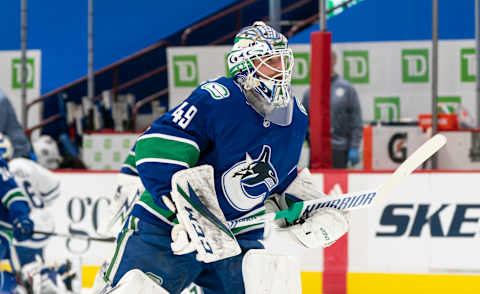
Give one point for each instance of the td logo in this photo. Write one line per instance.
(17, 73)
(356, 66)
(415, 68)
(185, 71)
(386, 108)
(301, 69)
(467, 65)
(451, 102)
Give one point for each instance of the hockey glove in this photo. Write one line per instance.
(22, 227)
(322, 228)
(353, 156)
(181, 243)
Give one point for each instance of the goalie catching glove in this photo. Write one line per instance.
(320, 228)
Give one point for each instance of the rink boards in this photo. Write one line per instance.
(423, 240)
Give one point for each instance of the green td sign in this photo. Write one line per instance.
(185, 71)
(356, 66)
(17, 73)
(467, 65)
(415, 68)
(386, 108)
(451, 102)
(301, 68)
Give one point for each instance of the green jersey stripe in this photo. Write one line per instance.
(170, 138)
(146, 201)
(166, 149)
(117, 257)
(13, 196)
(7, 234)
(130, 160)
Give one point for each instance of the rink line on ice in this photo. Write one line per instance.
(361, 283)
(311, 281)
(88, 273)
(373, 283)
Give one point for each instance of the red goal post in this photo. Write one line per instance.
(319, 112)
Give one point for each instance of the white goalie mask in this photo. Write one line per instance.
(6, 148)
(261, 61)
(47, 152)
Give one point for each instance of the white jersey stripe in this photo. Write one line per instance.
(162, 160)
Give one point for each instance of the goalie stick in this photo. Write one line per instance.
(351, 201)
(77, 236)
(63, 235)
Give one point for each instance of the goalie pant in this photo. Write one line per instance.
(146, 246)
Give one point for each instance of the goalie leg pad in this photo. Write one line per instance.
(136, 281)
(265, 272)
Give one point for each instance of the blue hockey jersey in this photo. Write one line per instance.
(252, 157)
(13, 201)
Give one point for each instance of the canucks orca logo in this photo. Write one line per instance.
(247, 183)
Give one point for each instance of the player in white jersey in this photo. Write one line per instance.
(41, 188)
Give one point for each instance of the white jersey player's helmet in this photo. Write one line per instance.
(47, 152)
(6, 148)
(255, 47)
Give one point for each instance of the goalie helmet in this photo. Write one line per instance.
(47, 152)
(6, 148)
(260, 46)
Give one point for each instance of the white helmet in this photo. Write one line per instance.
(261, 43)
(47, 152)
(6, 148)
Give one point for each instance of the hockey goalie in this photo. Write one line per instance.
(215, 158)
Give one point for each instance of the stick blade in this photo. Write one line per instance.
(422, 154)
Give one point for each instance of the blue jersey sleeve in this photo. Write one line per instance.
(10, 194)
(174, 142)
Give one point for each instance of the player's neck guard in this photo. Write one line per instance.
(281, 116)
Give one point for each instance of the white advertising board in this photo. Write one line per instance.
(393, 79)
(79, 211)
(429, 225)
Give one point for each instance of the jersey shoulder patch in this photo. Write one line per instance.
(216, 90)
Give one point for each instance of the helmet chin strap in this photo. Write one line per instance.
(278, 115)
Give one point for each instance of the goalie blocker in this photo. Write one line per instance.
(200, 215)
